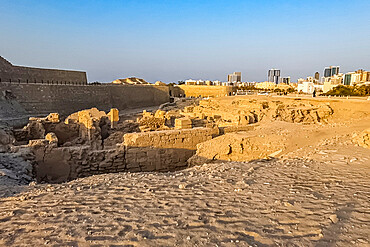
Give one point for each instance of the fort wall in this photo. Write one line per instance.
(21, 74)
(38, 99)
(206, 91)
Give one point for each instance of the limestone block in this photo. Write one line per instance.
(104, 165)
(38, 142)
(113, 116)
(147, 114)
(73, 118)
(160, 114)
(85, 119)
(53, 117)
(189, 109)
(52, 138)
(183, 123)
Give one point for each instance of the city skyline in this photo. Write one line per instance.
(171, 41)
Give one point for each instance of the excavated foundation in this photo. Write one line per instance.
(93, 142)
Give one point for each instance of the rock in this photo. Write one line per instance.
(35, 129)
(159, 114)
(38, 143)
(182, 186)
(333, 218)
(52, 138)
(53, 118)
(183, 123)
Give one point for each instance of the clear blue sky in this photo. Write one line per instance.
(174, 40)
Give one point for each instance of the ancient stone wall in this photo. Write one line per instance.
(163, 150)
(176, 91)
(150, 151)
(20, 74)
(206, 91)
(39, 99)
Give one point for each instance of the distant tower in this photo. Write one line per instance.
(274, 76)
(234, 77)
(285, 80)
(317, 76)
(331, 71)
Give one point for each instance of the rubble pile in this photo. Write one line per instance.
(236, 113)
(150, 121)
(303, 113)
(37, 128)
(248, 111)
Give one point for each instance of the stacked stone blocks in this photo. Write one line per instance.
(147, 151)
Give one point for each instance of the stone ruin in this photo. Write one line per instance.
(93, 142)
(234, 115)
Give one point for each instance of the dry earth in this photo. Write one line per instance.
(315, 193)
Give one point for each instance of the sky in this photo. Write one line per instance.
(178, 40)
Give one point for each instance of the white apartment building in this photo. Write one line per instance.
(306, 87)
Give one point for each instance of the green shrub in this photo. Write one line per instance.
(343, 90)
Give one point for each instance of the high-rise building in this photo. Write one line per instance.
(331, 71)
(347, 79)
(317, 76)
(285, 80)
(365, 76)
(356, 77)
(274, 76)
(234, 77)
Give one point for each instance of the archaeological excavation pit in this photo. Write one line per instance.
(178, 135)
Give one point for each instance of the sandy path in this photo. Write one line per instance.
(288, 202)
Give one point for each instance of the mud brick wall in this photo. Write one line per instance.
(150, 151)
(38, 99)
(163, 150)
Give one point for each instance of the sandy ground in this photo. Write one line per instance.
(316, 193)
